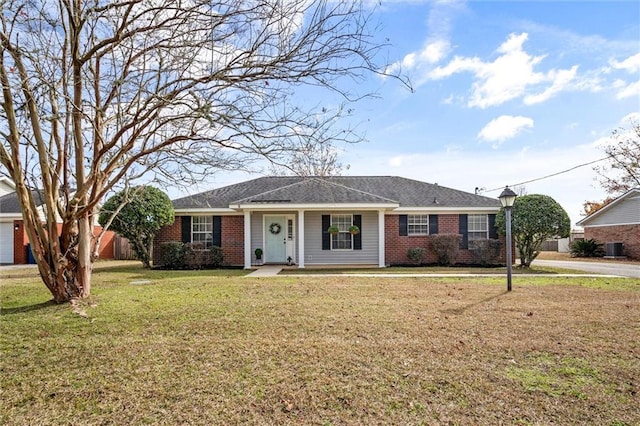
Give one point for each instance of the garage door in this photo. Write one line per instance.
(6, 242)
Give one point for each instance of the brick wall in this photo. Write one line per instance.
(106, 244)
(396, 246)
(166, 234)
(232, 239)
(395, 251)
(627, 234)
(20, 241)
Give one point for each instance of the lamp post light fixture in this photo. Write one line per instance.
(507, 199)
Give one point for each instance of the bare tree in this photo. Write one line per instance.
(317, 160)
(316, 153)
(622, 171)
(98, 93)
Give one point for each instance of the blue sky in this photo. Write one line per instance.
(505, 92)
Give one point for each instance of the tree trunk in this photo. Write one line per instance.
(64, 259)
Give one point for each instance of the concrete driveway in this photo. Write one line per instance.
(607, 268)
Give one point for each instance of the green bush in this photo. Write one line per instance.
(178, 255)
(196, 256)
(485, 252)
(445, 247)
(172, 255)
(216, 256)
(415, 254)
(587, 248)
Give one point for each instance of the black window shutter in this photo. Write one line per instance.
(404, 229)
(217, 231)
(433, 224)
(493, 231)
(463, 230)
(186, 229)
(326, 236)
(357, 238)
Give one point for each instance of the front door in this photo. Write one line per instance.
(275, 237)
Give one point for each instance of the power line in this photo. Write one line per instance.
(548, 176)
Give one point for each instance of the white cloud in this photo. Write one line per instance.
(511, 75)
(628, 90)
(435, 51)
(514, 74)
(631, 64)
(561, 80)
(431, 53)
(504, 127)
(436, 46)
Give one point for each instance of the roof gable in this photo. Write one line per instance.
(623, 209)
(10, 203)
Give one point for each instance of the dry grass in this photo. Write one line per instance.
(201, 348)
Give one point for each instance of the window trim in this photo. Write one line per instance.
(332, 248)
(208, 222)
(409, 225)
(471, 232)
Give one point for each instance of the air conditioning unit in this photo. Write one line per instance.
(615, 249)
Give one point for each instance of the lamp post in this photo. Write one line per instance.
(507, 198)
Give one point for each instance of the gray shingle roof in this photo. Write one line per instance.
(9, 203)
(335, 190)
(316, 191)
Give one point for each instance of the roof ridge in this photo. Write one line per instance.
(320, 179)
(271, 190)
(358, 190)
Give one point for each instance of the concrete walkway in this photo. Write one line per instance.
(265, 271)
(616, 268)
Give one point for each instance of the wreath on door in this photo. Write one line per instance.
(275, 228)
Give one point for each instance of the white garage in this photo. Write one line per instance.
(6, 242)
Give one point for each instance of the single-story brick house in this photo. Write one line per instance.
(617, 225)
(289, 217)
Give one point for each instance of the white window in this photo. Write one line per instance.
(289, 229)
(343, 240)
(478, 226)
(202, 231)
(418, 224)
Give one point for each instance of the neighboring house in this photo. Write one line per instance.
(617, 225)
(288, 217)
(7, 218)
(14, 242)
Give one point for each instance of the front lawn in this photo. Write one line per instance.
(213, 347)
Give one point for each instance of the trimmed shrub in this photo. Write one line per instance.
(172, 255)
(415, 254)
(485, 252)
(445, 247)
(216, 256)
(587, 248)
(196, 256)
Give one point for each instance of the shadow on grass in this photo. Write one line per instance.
(28, 308)
(462, 309)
